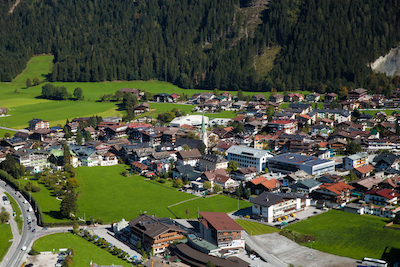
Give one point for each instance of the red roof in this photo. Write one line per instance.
(365, 169)
(386, 193)
(282, 121)
(220, 221)
(323, 144)
(271, 184)
(337, 188)
(258, 180)
(305, 116)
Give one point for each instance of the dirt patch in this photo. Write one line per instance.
(43, 260)
(292, 253)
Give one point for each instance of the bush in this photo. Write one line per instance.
(36, 189)
(99, 221)
(33, 252)
(298, 237)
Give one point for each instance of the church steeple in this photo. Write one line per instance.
(204, 137)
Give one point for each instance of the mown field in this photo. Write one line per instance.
(85, 252)
(253, 228)
(5, 236)
(350, 235)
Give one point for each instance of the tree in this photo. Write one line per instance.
(210, 264)
(139, 245)
(239, 191)
(217, 188)
(73, 183)
(248, 193)
(36, 81)
(68, 204)
(270, 112)
(75, 228)
(78, 94)
(233, 165)
(240, 95)
(66, 154)
(356, 113)
(78, 138)
(351, 176)
(396, 219)
(353, 148)
(87, 136)
(28, 83)
(207, 185)
(187, 213)
(7, 135)
(216, 91)
(343, 92)
(177, 183)
(4, 215)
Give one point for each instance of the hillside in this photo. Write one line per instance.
(252, 45)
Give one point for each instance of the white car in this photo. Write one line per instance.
(23, 248)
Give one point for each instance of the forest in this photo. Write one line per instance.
(198, 44)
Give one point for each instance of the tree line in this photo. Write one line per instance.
(197, 44)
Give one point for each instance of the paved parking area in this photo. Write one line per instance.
(116, 242)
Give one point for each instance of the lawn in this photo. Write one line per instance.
(84, 250)
(5, 236)
(218, 203)
(253, 228)
(106, 194)
(349, 235)
(17, 210)
(373, 112)
(48, 203)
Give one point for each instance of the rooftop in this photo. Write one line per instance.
(299, 159)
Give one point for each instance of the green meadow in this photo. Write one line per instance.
(5, 236)
(85, 251)
(253, 228)
(350, 235)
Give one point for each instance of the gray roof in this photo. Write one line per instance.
(213, 158)
(248, 151)
(309, 183)
(342, 112)
(293, 158)
(267, 199)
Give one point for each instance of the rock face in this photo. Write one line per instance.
(388, 64)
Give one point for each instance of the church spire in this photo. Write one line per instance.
(204, 132)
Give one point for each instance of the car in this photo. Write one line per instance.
(315, 212)
(45, 228)
(23, 248)
(29, 265)
(34, 230)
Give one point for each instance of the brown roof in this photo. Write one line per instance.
(220, 221)
(258, 180)
(337, 188)
(365, 169)
(271, 184)
(192, 153)
(140, 165)
(152, 226)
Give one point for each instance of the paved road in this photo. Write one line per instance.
(14, 130)
(15, 256)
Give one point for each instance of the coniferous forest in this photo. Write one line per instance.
(325, 44)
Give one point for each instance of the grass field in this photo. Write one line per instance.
(349, 235)
(5, 236)
(253, 228)
(84, 250)
(17, 210)
(110, 196)
(373, 112)
(218, 203)
(49, 204)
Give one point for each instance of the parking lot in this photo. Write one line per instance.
(43, 260)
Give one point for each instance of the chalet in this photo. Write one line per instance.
(163, 98)
(258, 97)
(141, 108)
(116, 131)
(188, 157)
(139, 167)
(261, 184)
(381, 197)
(313, 97)
(365, 184)
(387, 160)
(35, 160)
(154, 233)
(364, 171)
(277, 98)
(15, 143)
(220, 176)
(35, 124)
(337, 144)
(245, 174)
(333, 194)
(3, 111)
(134, 91)
(293, 97)
(330, 97)
(186, 173)
(357, 94)
(73, 127)
(212, 162)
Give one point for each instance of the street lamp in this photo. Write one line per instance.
(309, 241)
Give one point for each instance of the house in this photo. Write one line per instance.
(286, 125)
(245, 174)
(139, 167)
(261, 184)
(367, 183)
(330, 97)
(271, 206)
(258, 97)
(163, 98)
(35, 160)
(387, 160)
(219, 229)
(277, 98)
(134, 91)
(364, 171)
(3, 111)
(337, 144)
(381, 197)
(293, 97)
(331, 178)
(313, 97)
(109, 159)
(246, 156)
(212, 162)
(290, 162)
(337, 194)
(35, 124)
(188, 157)
(186, 173)
(338, 115)
(357, 94)
(307, 186)
(73, 127)
(92, 132)
(15, 143)
(355, 161)
(154, 233)
(141, 108)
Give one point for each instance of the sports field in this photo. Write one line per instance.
(85, 251)
(350, 235)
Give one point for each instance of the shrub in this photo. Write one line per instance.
(33, 252)
(99, 221)
(36, 189)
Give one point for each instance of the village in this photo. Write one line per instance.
(313, 151)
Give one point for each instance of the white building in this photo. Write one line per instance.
(193, 120)
(272, 206)
(247, 156)
(286, 125)
(356, 161)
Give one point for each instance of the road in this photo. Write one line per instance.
(14, 130)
